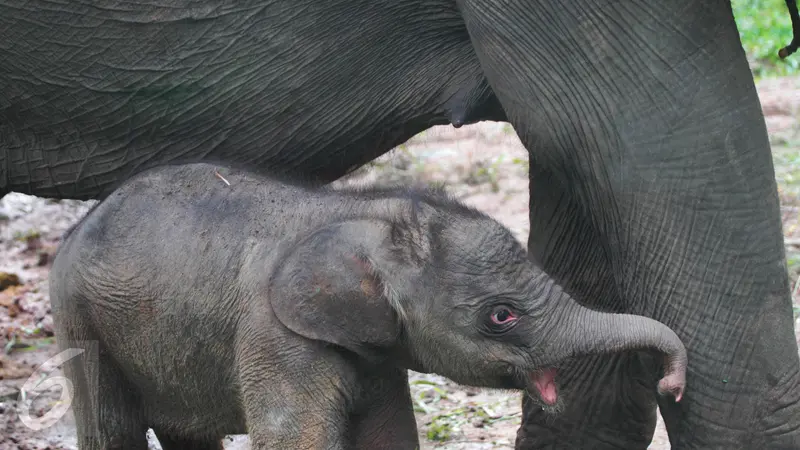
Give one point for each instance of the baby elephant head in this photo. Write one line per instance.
(449, 290)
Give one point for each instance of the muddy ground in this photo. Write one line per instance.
(485, 165)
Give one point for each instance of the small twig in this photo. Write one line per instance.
(792, 47)
(221, 177)
(787, 242)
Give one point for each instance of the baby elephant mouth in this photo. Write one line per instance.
(543, 383)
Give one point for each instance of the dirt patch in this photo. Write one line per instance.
(484, 165)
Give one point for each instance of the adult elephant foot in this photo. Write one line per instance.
(653, 193)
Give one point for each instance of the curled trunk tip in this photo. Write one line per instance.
(674, 381)
(603, 332)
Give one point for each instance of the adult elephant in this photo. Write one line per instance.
(652, 182)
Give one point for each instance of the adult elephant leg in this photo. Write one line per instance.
(647, 116)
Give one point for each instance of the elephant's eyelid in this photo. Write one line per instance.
(513, 304)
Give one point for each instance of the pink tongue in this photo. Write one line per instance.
(546, 384)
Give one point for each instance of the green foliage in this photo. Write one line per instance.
(440, 429)
(787, 166)
(27, 236)
(765, 27)
(485, 172)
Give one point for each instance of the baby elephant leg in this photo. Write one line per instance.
(306, 420)
(106, 407)
(82, 372)
(169, 442)
(304, 410)
(120, 422)
(386, 420)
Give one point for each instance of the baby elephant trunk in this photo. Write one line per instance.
(593, 332)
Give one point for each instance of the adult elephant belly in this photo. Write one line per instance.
(93, 92)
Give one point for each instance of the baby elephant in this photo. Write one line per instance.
(212, 301)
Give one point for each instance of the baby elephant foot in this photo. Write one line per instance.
(125, 443)
(169, 442)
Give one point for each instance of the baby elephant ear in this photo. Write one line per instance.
(327, 289)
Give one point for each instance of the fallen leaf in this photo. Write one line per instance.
(44, 258)
(8, 279)
(10, 295)
(14, 309)
(11, 370)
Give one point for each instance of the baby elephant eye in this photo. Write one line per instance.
(502, 316)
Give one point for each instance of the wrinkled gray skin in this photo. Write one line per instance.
(291, 313)
(652, 183)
